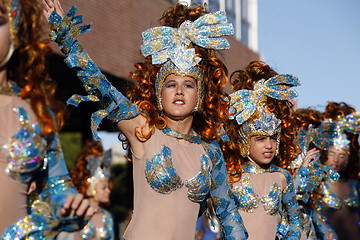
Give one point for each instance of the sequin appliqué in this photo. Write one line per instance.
(162, 177)
(249, 200)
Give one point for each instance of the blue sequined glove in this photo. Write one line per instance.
(114, 105)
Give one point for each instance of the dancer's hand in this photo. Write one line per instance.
(310, 156)
(52, 5)
(76, 205)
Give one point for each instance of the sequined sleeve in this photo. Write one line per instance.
(308, 178)
(225, 209)
(291, 210)
(301, 183)
(114, 105)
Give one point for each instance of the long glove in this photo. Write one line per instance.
(115, 106)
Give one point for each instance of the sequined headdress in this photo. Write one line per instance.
(14, 12)
(172, 47)
(347, 124)
(251, 113)
(322, 137)
(99, 169)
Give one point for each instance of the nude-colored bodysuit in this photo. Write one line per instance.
(267, 203)
(171, 215)
(13, 193)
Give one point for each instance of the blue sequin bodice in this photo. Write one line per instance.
(103, 233)
(163, 178)
(249, 200)
(333, 202)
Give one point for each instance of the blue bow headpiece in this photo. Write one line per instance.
(243, 103)
(164, 43)
(348, 124)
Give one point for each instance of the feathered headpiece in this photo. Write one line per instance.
(171, 47)
(348, 124)
(251, 113)
(322, 137)
(99, 169)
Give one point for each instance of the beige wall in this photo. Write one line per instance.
(115, 37)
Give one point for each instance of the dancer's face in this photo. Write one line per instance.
(102, 191)
(263, 149)
(337, 159)
(5, 38)
(179, 96)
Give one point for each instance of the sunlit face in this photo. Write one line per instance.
(179, 96)
(5, 37)
(102, 191)
(263, 149)
(337, 159)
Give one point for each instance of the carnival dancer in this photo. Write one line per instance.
(336, 214)
(265, 193)
(171, 122)
(29, 123)
(313, 135)
(91, 176)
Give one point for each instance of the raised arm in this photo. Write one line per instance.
(114, 105)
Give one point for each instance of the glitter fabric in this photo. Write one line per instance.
(347, 124)
(335, 203)
(43, 222)
(14, 13)
(245, 102)
(115, 106)
(25, 150)
(164, 43)
(249, 200)
(43, 155)
(170, 46)
(220, 191)
(99, 169)
(330, 202)
(281, 202)
(162, 176)
(308, 178)
(324, 230)
(104, 233)
(248, 108)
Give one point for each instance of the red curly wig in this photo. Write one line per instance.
(246, 79)
(214, 107)
(27, 69)
(79, 174)
(303, 117)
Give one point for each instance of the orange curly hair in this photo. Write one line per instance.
(215, 106)
(303, 117)
(246, 79)
(79, 173)
(335, 111)
(27, 69)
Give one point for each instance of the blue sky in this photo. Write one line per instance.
(317, 41)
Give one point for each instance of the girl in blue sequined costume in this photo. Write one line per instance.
(29, 124)
(170, 122)
(265, 192)
(313, 135)
(90, 176)
(336, 213)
